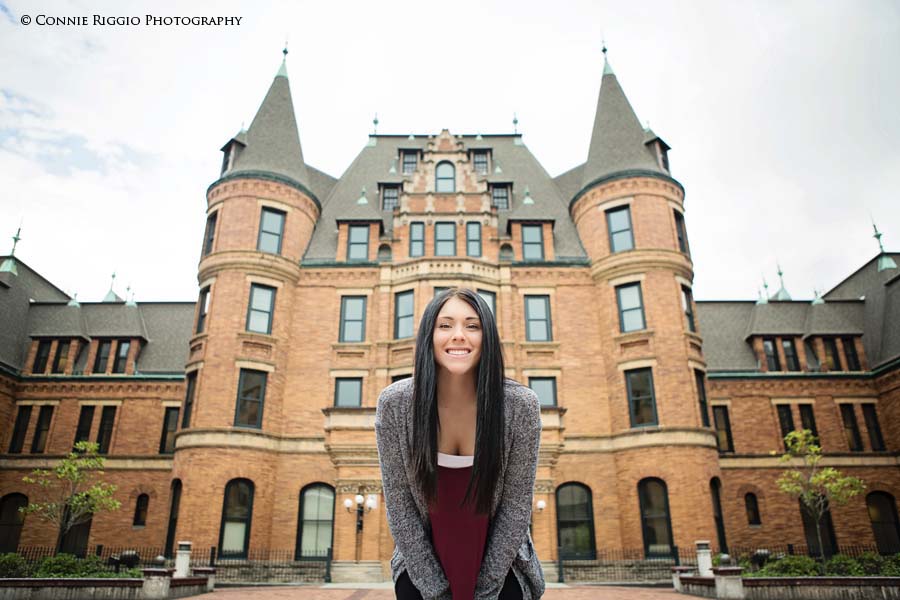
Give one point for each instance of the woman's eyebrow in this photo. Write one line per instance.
(466, 319)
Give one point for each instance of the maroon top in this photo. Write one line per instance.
(458, 533)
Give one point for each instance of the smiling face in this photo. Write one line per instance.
(457, 337)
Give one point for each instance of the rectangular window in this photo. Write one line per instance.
(390, 197)
(104, 432)
(851, 427)
(812, 360)
(480, 161)
(500, 196)
(808, 418)
(490, 298)
(681, 232)
(61, 361)
(190, 389)
(396, 378)
(538, 327)
(42, 431)
(772, 362)
(473, 239)
(85, 420)
(170, 426)
(410, 159)
(202, 309)
(618, 223)
(723, 429)
(251, 395)
(260, 308)
(832, 361)
(403, 315)
(790, 354)
(785, 419)
(445, 239)
(701, 396)
(122, 349)
(41, 357)
(348, 392)
(532, 242)
(641, 400)
(210, 236)
(438, 289)
(850, 353)
(102, 358)
(631, 307)
(416, 239)
(358, 243)
(545, 388)
(353, 319)
(271, 230)
(23, 418)
(871, 417)
(687, 304)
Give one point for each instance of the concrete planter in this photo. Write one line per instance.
(157, 584)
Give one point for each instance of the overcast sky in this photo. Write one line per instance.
(783, 118)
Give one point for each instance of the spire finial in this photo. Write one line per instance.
(285, 51)
(877, 236)
(375, 125)
(604, 48)
(113, 281)
(515, 123)
(16, 238)
(780, 274)
(362, 197)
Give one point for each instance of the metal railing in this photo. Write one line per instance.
(623, 565)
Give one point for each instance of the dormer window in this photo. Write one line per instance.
(445, 178)
(532, 242)
(228, 158)
(500, 195)
(409, 160)
(390, 197)
(480, 161)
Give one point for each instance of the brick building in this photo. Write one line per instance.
(245, 420)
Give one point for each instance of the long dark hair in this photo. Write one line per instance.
(489, 431)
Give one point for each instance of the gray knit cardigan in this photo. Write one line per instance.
(509, 544)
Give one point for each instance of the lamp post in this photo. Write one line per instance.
(363, 505)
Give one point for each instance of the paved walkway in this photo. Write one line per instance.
(384, 592)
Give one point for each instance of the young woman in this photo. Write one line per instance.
(458, 446)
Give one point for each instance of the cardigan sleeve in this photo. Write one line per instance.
(403, 517)
(509, 527)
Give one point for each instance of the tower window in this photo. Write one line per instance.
(251, 395)
(403, 315)
(701, 396)
(170, 425)
(445, 178)
(687, 303)
(618, 223)
(260, 308)
(271, 231)
(210, 235)
(641, 399)
(348, 392)
(681, 232)
(202, 309)
(631, 307)
(190, 389)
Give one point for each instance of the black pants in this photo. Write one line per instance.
(405, 590)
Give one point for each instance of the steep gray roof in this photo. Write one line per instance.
(835, 318)
(17, 292)
(373, 164)
(569, 183)
(272, 141)
(169, 327)
(618, 139)
(723, 326)
(55, 320)
(777, 318)
(113, 320)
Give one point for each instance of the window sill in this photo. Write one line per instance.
(342, 346)
(641, 335)
(535, 345)
(263, 338)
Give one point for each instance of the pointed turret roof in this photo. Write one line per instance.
(272, 141)
(618, 141)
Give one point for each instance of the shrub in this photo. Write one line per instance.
(890, 566)
(790, 566)
(68, 565)
(841, 565)
(13, 565)
(871, 563)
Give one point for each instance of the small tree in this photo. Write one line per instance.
(73, 490)
(817, 487)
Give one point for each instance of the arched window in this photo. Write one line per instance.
(752, 505)
(655, 520)
(445, 178)
(174, 504)
(140, 510)
(384, 253)
(506, 252)
(885, 525)
(575, 522)
(826, 529)
(715, 490)
(237, 513)
(75, 540)
(315, 525)
(11, 521)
